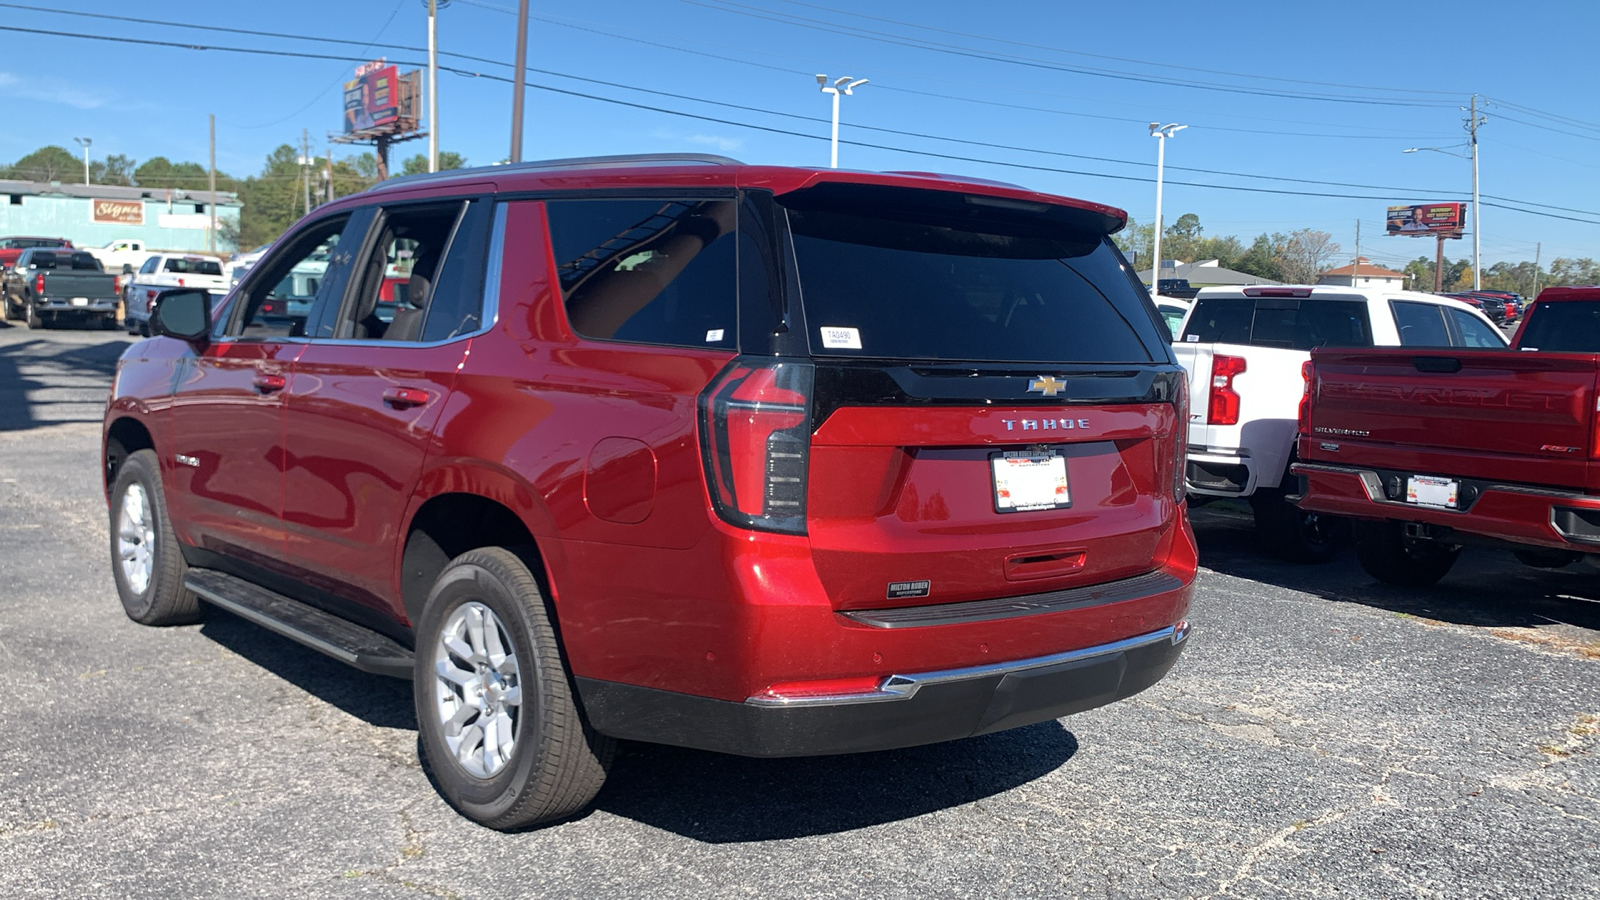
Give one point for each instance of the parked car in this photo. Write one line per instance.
(12, 247)
(1436, 450)
(47, 287)
(1245, 348)
(1493, 307)
(162, 271)
(1176, 287)
(757, 460)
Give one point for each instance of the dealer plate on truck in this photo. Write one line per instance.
(1431, 490)
(1029, 480)
(80, 301)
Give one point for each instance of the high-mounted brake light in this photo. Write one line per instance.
(755, 437)
(1277, 292)
(1223, 406)
(1304, 419)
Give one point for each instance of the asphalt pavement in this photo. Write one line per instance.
(1323, 736)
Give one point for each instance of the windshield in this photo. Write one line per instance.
(878, 287)
(193, 266)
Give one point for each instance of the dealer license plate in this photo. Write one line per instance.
(1029, 480)
(1431, 490)
(80, 301)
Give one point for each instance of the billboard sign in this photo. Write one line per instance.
(116, 212)
(372, 100)
(1447, 219)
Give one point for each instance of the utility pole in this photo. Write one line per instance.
(305, 173)
(212, 236)
(1477, 215)
(1438, 263)
(433, 86)
(516, 81)
(1538, 246)
(1355, 269)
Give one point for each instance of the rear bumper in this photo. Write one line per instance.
(66, 306)
(905, 710)
(1220, 474)
(1519, 514)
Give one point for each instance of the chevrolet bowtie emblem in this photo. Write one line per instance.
(1046, 385)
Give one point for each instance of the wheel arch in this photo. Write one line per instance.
(462, 508)
(125, 436)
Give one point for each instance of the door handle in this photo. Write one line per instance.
(266, 384)
(405, 398)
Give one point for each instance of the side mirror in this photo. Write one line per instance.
(184, 313)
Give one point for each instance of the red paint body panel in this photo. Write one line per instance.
(354, 457)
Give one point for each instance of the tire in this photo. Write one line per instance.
(10, 309)
(1392, 558)
(1294, 534)
(556, 764)
(34, 320)
(145, 560)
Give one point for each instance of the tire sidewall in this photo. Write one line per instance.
(480, 798)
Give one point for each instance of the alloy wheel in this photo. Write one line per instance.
(478, 686)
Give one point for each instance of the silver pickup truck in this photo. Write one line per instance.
(51, 286)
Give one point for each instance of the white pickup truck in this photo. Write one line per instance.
(119, 253)
(1246, 350)
(163, 271)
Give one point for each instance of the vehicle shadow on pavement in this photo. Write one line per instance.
(1486, 588)
(374, 699)
(24, 365)
(721, 799)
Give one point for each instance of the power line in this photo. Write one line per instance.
(1122, 59)
(950, 49)
(773, 130)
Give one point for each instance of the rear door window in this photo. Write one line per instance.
(1474, 332)
(1285, 323)
(887, 288)
(1420, 324)
(658, 271)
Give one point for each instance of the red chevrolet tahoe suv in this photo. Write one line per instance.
(765, 461)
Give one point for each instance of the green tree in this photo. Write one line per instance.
(114, 169)
(1134, 241)
(448, 160)
(50, 163)
(1262, 258)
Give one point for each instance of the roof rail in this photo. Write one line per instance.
(620, 161)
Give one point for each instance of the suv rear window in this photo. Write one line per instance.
(1566, 327)
(879, 287)
(1285, 323)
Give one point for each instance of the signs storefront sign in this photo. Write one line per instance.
(116, 212)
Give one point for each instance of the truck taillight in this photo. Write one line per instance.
(38, 283)
(755, 438)
(1223, 407)
(1304, 419)
(1180, 441)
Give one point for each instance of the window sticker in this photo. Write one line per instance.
(841, 338)
(714, 335)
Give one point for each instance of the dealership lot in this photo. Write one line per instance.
(1324, 735)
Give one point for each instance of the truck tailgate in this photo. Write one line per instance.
(94, 285)
(1492, 414)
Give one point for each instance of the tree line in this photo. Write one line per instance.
(1300, 257)
(271, 200)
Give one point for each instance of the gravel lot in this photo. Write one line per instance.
(1323, 736)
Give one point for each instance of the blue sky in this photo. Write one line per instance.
(1271, 91)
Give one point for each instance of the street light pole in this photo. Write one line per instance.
(433, 86)
(840, 86)
(84, 143)
(1160, 133)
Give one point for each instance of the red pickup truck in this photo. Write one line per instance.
(1434, 449)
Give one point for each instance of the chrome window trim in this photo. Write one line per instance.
(491, 305)
(904, 687)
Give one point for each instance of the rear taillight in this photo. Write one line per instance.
(1223, 407)
(1180, 441)
(38, 283)
(755, 437)
(1304, 419)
